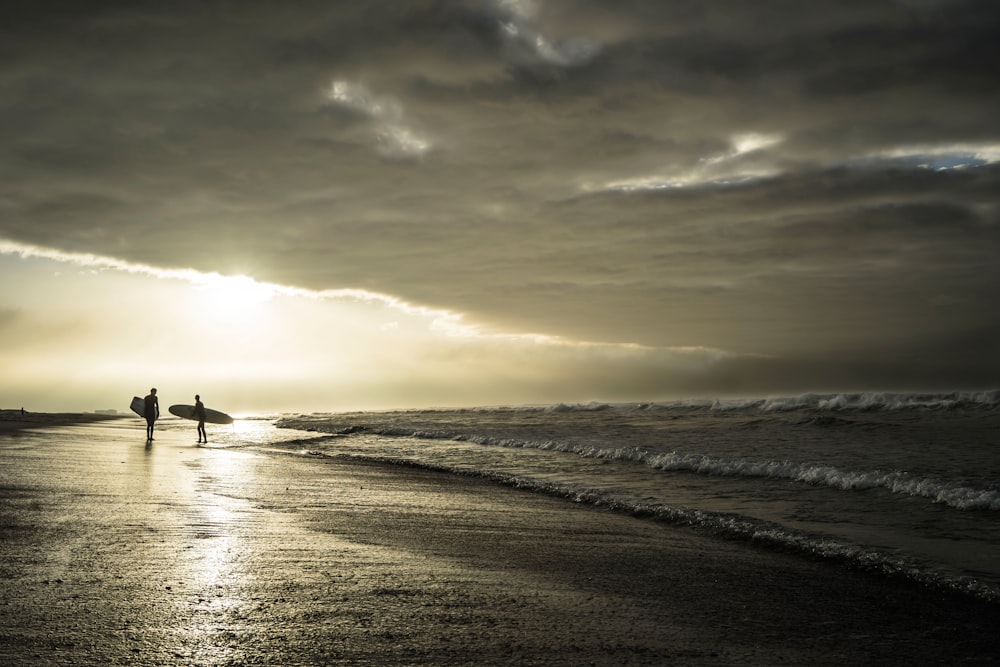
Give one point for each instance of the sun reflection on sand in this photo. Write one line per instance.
(213, 575)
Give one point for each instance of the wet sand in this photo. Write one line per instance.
(14, 420)
(115, 552)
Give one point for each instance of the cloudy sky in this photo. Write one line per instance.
(338, 205)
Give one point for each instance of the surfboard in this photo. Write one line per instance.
(138, 406)
(211, 416)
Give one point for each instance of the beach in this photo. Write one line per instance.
(118, 551)
(16, 420)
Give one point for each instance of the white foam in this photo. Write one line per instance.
(733, 526)
(866, 401)
(952, 494)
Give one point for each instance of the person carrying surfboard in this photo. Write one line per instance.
(152, 412)
(199, 413)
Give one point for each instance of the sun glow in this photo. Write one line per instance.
(236, 300)
(87, 330)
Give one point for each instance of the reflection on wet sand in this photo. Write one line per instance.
(115, 553)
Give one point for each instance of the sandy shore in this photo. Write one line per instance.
(118, 553)
(15, 420)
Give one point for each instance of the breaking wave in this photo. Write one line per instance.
(954, 494)
(728, 525)
(868, 401)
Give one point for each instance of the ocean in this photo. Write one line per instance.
(904, 485)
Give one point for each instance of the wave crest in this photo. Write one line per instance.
(953, 494)
(731, 526)
(867, 401)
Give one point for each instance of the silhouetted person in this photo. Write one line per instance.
(199, 413)
(152, 412)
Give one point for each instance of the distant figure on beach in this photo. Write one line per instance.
(152, 412)
(22, 411)
(199, 412)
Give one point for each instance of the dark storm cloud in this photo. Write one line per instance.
(816, 181)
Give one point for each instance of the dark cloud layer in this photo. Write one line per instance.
(815, 183)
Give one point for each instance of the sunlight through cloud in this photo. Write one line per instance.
(259, 345)
(941, 157)
(728, 169)
(394, 139)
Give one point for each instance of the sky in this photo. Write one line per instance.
(324, 206)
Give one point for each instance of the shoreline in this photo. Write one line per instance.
(119, 552)
(13, 420)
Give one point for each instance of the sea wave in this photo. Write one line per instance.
(873, 401)
(951, 493)
(728, 525)
(867, 401)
